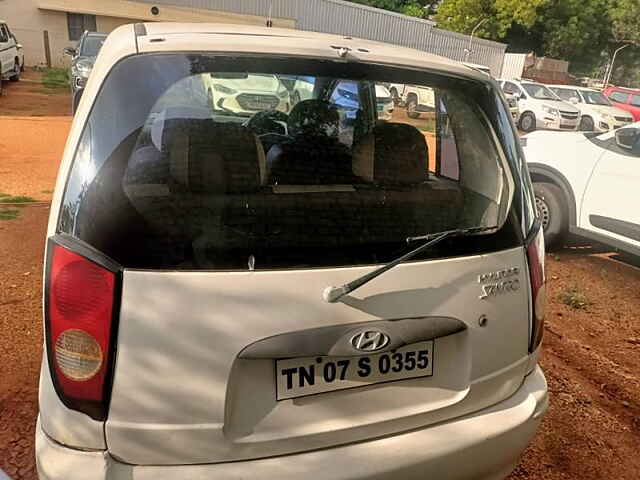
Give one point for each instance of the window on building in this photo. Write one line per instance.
(4, 36)
(77, 23)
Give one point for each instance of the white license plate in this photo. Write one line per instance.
(297, 377)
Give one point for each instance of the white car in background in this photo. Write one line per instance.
(588, 185)
(540, 108)
(416, 99)
(246, 94)
(11, 55)
(597, 112)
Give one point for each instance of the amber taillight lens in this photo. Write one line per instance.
(81, 296)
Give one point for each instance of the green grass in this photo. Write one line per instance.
(7, 198)
(7, 214)
(55, 78)
(574, 298)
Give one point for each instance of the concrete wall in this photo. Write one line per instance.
(28, 24)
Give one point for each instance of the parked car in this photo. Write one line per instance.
(588, 185)
(11, 55)
(228, 298)
(246, 94)
(596, 111)
(625, 99)
(416, 99)
(83, 57)
(347, 100)
(540, 108)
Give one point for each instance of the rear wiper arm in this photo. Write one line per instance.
(333, 294)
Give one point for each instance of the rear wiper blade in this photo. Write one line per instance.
(333, 294)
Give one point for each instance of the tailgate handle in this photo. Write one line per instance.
(336, 340)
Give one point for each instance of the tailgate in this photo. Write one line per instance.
(184, 391)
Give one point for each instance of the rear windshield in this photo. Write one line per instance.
(214, 162)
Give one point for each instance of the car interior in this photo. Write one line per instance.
(211, 190)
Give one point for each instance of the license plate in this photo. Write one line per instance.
(258, 105)
(298, 377)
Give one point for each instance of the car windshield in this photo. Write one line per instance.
(92, 45)
(216, 162)
(595, 98)
(539, 92)
(567, 94)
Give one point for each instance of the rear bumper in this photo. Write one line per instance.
(482, 446)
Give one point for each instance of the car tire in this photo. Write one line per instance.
(551, 207)
(16, 72)
(412, 106)
(586, 124)
(527, 122)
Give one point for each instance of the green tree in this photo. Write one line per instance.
(625, 16)
(574, 30)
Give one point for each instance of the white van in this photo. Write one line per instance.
(540, 108)
(230, 297)
(11, 56)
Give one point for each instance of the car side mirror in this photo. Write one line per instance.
(574, 100)
(628, 139)
(19, 46)
(69, 51)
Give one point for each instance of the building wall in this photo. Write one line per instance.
(28, 19)
(108, 24)
(28, 24)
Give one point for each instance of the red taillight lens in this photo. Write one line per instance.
(80, 302)
(535, 255)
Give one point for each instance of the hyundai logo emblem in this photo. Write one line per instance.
(370, 341)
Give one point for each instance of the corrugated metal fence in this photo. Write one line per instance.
(345, 18)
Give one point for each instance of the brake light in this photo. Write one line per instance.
(535, 255)
(80, 296)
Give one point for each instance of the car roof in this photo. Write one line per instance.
(217, 37)
(575, 87)
(624, 89)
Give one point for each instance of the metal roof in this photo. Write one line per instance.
(347, 18)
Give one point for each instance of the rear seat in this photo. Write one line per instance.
(212, 194)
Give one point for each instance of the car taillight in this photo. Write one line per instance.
(535, 255)
(80, 306)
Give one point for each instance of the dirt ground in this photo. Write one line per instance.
(29, 98)
(591, 353)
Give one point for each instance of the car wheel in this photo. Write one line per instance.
(412, 107)
(586, 124)
(551, 209)
(527, 122)
(15, 76)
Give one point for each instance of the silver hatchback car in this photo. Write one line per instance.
(254, 293)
